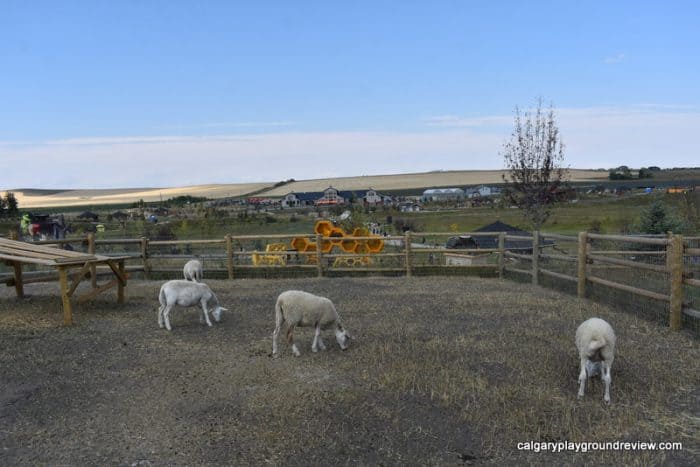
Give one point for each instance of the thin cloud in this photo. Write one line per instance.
(614, 59)
(250, 124)
(454, 121)
(247, 124)
(595, 137)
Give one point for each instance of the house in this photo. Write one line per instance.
(409, 206)
(293, 200)
(372, 197)
(331, 196)
(482, 191)
(491, 241)
(443, 194)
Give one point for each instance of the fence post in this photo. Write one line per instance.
(319, 254)
(407, 243)
(501, 254)
(229, 255)
(582, 251)
(674, 251)
(144, 258)
(535, 257)
(91, 251)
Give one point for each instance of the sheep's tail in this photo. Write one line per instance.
(596, 344)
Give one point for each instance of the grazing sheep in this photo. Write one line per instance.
(193, 271)
(186, 293)
(299, 308)
(595, 340)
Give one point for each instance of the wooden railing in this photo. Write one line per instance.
(401, 253)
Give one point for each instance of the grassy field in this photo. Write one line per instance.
(442, 371)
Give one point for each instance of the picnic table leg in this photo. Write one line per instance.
(19, 285)
(93, 268)
(120, 286)
(67, 312)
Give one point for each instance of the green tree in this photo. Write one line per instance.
(11, 205)
(2, 207)
(533, 157)
(656, 219)
(620, 173)
(645, 173)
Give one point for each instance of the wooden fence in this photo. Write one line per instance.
(404, 255)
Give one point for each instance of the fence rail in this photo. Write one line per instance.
(581, 264)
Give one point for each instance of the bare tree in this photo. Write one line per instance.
(533, 156)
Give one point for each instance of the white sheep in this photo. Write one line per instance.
(186, 294)
(595, 340)
(193, 270)
(303, 309)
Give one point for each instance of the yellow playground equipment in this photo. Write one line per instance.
(346, 242)
(272, 255)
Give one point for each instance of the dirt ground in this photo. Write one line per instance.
(442, 371)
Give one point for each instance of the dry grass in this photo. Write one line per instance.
(456, 178)
(38, 198)
(444, 370)
(56, 198)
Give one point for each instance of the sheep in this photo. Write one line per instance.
(595, 340)
(193, 271)
(303, 309)
(186, 293)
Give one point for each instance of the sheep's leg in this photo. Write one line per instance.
(166, 317)
(582, 378)
(290, 339)
(318, 342)
(314, 345)
(279, 319)
(321, 345)
(160, 316)
(605, 376)
(275, 334)
(206, 312)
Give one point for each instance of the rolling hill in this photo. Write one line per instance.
(35, 198)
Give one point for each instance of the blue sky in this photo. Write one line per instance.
(133, 93)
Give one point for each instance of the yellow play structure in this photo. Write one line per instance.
(346, 242)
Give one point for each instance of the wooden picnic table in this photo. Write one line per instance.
(16, 253)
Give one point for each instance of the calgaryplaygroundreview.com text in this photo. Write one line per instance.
(561, 446)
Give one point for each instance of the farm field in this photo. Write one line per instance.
(29, 198)
(443, 370)
(418, 180)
